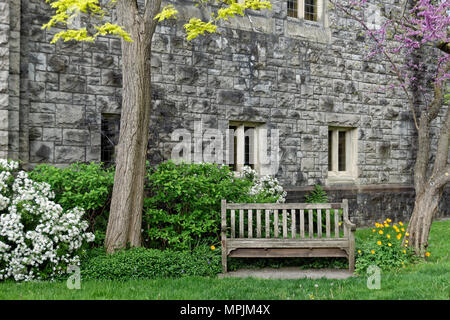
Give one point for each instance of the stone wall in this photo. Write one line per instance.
(296, 76)
(374, 203)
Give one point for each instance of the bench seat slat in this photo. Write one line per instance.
(286, 243)
(286, 252)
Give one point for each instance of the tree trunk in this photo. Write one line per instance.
(125, 219)
(425, 208)
(428, 189)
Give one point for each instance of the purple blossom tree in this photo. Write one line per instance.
(416, 33)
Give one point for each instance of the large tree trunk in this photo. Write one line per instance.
(428, 189)
(125, 219)
(425, 208)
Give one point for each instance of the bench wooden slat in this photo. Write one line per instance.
(336, 223)
(233, 224)
(280, 206)
(286, 252)
(267, 224)
(275, 223)
(258, 223)
(286, 243)
(250, 223)
(293, 231)
(241, 223)
(302, 224)
(319, 223)
(328, 223)
(310, 223)
(284, 223)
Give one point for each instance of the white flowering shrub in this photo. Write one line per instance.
(264, 186)
(38, 239)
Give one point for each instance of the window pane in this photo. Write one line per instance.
(330, 153)
(233, 148)
(109, 137)
(292, 8)
(249, 141)
(341, 151)
(311, 10)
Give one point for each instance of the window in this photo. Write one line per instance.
(242, 145)
(310, 12)
(292, 9)
(305, 9)
(109, 137)
(342, 154)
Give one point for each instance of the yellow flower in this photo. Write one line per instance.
(359, 251)
(403, 230)
(376, 224)
(427, 254)
(372, 252)
(404, 251)
(380, 232)
(379, 243)
(406, 234)
(400, 223)
(213, 248)
(373, 230)
(399, 236)
(403, 262)
(389, 244)
(389, 220)
(386, 225)
(406, 241)
(340, 223)
(388, 236)
(406, 245)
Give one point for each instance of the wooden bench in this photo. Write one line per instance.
(300, 236)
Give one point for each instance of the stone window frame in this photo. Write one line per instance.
(240, 142)
(350, 175)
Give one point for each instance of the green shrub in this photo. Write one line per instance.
(142, 263)
(384, 248)
(318, 195)
(183, 204)
(87, 186)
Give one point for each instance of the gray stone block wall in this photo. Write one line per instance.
(295, 76)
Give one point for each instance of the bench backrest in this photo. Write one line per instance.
(297, 220)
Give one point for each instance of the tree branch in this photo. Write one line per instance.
(386, 55)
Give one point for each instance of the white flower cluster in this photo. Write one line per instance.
(266, 185)
(37, 237)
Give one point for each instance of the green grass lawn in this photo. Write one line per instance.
(425, 280)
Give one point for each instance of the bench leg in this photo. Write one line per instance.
(224, 263)
(351, 261)
(224, 256)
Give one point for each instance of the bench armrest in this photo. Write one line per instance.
(351, 226)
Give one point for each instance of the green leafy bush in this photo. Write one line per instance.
(183, 203)
(142, 263)
(318, 195)
(384, 248)
(87, 186)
